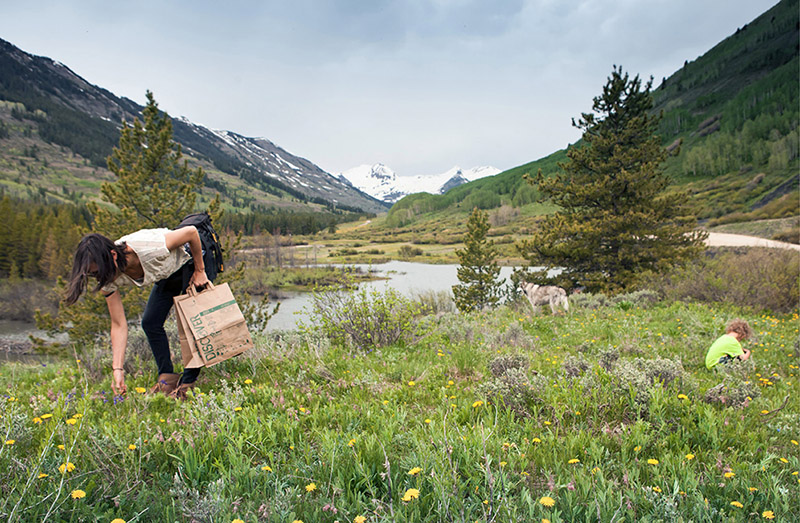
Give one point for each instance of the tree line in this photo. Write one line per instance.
(37, 238)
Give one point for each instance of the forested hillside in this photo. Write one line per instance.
(730, 121)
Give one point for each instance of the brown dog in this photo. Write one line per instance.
(543, 295)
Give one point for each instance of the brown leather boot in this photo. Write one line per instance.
(166, 383)
(181, 390)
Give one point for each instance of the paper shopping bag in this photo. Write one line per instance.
(211, 327)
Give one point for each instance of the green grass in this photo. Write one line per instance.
(354, 425)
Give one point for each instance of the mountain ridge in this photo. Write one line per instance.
(60, 107)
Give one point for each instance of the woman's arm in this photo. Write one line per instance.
(175, 239)
(119, 341)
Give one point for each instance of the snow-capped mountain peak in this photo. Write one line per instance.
(381, 182)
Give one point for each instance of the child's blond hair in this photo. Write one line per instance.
(740, 327)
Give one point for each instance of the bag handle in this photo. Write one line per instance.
(192, 291)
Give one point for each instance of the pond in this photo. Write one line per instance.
(405, 277)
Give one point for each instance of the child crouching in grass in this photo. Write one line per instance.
(728, 347)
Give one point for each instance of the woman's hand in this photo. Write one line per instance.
(118, 383)
(199, 279)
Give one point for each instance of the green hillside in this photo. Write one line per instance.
(734, 113)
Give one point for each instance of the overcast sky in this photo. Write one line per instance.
(420, 85)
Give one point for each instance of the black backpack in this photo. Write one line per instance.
(212, 250)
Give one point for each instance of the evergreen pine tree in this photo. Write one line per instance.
(478, 271)
(616, 218)
(155, 186)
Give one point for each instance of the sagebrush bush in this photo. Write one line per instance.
(574, 366)
(437, 302)
(511, 336)
(585, 300)
(641, 374)
(502, 364)
(761, 278)
(608, 358)
(515, 389)
(367, 318)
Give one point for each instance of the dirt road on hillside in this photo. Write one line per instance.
(722, 239)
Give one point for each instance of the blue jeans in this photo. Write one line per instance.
(155, 315)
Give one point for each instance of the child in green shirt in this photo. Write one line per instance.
(728, 346)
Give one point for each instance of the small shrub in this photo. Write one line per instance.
(437, 302)
(366, 318)
(512, 336)
(515, 390)
(731, 394)
(574, 366)
(585, 300)
(502, 364)
(608, 358)
(407, 251)
(642, 299)
(642, 374)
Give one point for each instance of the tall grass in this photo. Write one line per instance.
(302, 428)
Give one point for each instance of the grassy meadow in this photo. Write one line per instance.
(603, 414)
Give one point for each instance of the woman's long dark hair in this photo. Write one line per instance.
(94, 248)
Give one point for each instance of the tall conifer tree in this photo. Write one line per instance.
(616, 218)
(478, 271)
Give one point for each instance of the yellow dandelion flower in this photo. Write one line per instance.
(595, 470)
(477, 404)
(71, 421)
(414, 471)
(47, 416)
(547, 423)
(657, 489)
(297, 521)
(768, 514)
(536, 440)
(547, 501)
(545, 520)
(794, 442)
(652, 461)
(61, 447)
(764, 412)
(118, 520)
(351, 443)
(574, 461)
(729, 475)
(737, 504)
(359, 519)
(140, 390)
(503, 463)
(10, 441)
(266, 468)
(78, 494)
(411, 383)
(311, 487)
(410, 494)
(683, 397)
(690, 456)
(237, 520)
(637, 448)
(248, 381)
(752, 489)
(385, 402)
(37, 420)
(66, 467)
(451, 382)
(427, 421)
(77, 416)
(784, 460)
